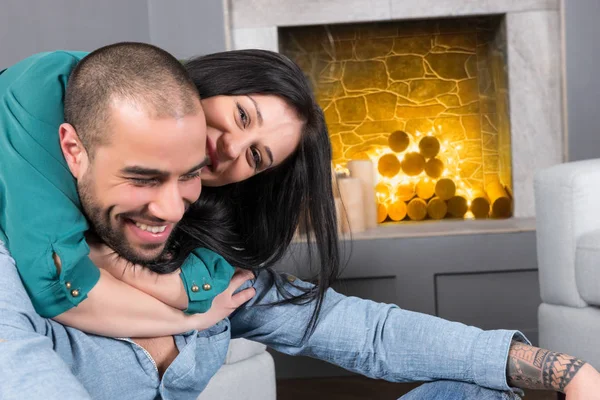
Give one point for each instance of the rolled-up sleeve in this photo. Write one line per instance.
(204, 274)
(376, 340)
(40, 212)
(29, 366)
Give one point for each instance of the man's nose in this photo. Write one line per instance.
(169, 204)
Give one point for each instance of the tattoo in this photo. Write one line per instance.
(534, 368)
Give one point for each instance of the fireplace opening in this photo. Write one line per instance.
(425, 101)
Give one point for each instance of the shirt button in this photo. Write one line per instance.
(195, 288)
(68, 285)
(74, 292)
(206, 286)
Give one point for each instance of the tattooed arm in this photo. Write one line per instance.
(534, 368)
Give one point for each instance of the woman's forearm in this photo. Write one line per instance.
(167, 288)
(115, 309)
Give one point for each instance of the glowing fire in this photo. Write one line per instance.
(387, 187)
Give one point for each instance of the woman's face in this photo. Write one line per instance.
(247, 135)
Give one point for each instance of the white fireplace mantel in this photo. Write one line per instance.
(534, 55)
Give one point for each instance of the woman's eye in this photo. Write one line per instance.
(256, 157)
(243, 116)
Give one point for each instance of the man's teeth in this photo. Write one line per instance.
(153, 229)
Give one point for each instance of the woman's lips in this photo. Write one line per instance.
(212, 154)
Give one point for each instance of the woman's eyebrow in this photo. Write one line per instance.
(270, 154)
(258, 113)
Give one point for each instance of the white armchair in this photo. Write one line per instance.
(567, 199)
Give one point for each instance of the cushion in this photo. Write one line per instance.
(587, 267)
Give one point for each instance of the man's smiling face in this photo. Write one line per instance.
(137, 186)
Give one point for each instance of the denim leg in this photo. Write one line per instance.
(451, 390)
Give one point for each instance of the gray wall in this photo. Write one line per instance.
(583, 86)
(187, 28)
(183, 27)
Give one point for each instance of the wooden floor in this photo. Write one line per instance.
(358, 388)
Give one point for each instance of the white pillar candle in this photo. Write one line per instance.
(353, 217)
(364, 170)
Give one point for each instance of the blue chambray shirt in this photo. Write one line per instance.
(51, 361)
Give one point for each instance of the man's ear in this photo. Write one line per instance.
(73, 150)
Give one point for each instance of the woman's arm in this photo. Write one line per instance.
(167, 288)
(192, 288)
(114, 308)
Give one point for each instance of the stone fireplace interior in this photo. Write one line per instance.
(426, 101)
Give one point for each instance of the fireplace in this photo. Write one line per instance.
(426, 101)
(524, 35)
(454, 268)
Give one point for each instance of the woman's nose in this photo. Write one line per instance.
(231, 146)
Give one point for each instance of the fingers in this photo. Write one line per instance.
(239, 278)
(243, 296)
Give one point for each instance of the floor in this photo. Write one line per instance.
(358, 388)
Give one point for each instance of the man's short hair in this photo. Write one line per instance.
(134, 72)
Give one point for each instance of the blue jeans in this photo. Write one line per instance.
(450, 390)
(43, 359)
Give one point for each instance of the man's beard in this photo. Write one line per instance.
(100, 222)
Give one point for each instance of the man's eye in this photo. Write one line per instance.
(189, 177)
(243, 115)
(144, 182)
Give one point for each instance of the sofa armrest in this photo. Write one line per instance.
(567, 200)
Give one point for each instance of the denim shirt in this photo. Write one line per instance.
(51, 361)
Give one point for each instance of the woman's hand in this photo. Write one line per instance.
(107, 259)
(227, 301)
(167, 288)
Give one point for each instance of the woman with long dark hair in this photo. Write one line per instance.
(257, 217)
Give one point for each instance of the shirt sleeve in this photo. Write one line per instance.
(28, 362)
(373, 339)
(40, 212)
(205, 274)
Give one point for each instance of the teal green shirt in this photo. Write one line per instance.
(40, 212)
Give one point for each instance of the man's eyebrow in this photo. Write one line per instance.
(258, 113)
(203, 164)
(138, 170)
(270, 154)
